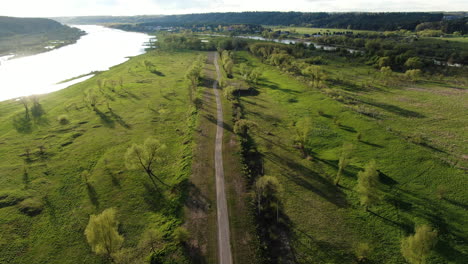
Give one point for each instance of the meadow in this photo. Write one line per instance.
(421, 181)
(64, 160)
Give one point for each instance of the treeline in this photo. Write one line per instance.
(398, 49)
(368, 21)
(363, 21)
(168, 41)
(232, 29)
(11, 26)
(457, 26)
(87, 20)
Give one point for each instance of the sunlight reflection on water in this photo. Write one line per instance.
(100, 49)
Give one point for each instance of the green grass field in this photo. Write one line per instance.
(456, 39)
(307, 30)
(147, 105)
(327, 221)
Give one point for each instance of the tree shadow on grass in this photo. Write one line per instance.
(196, 200)
(274, 86)
(119, 119)
(22, 124)
(309, 179)
(456, 203)
(158, 73)
(327, 251)
(396, 109)
(371, 144)
(154, 197)
(92, 194)
(106, 120)
(115, 180)
(348, 128)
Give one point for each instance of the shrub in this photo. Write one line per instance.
(181, 234)
(63, 119)
(31, 206)
(11, 197)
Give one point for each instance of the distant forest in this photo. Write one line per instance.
(362, 21)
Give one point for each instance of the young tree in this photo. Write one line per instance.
(414, 63)
(344, 160)
(417, 247)
(413, 75)
(151, 239)
(242, 126)
(367, 185)
(303, 135)
(146, 157)
(102, 233)
(24, 101)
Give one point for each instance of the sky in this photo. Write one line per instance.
(52, 8)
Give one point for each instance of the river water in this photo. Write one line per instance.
(99, 50)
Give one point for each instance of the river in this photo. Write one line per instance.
(99, 50)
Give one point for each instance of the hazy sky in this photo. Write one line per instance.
(141, 7)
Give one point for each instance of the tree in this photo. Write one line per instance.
(102, 233)
(268, 190)
(151, 239)
(413, 75)
(24, 101)
(303, 134)
(242, 126)
(367, 186)
(386, 72)
(414, 63)
(417, 247)
(344, 160)
(384, 62)
(145, 157)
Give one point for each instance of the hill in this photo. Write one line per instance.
(23, 36)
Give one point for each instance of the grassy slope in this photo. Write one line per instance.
(157, 107)
(327, 221)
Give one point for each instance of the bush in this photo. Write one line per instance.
(181, 234)
(63, 119)
(31, 206)
(11, 197)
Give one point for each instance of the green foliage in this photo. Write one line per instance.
(229, 92)
(368, 185)
(413, 75)
(31, 206)
(344, 160)
(147, 157)
(414, 63)
(151, 239)
(63, 119)
(303, 136)
(417, 247)
(102, 233)
(268, 190)
(363, 251)
(242, 126)
(181, 234)
(249, 74)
